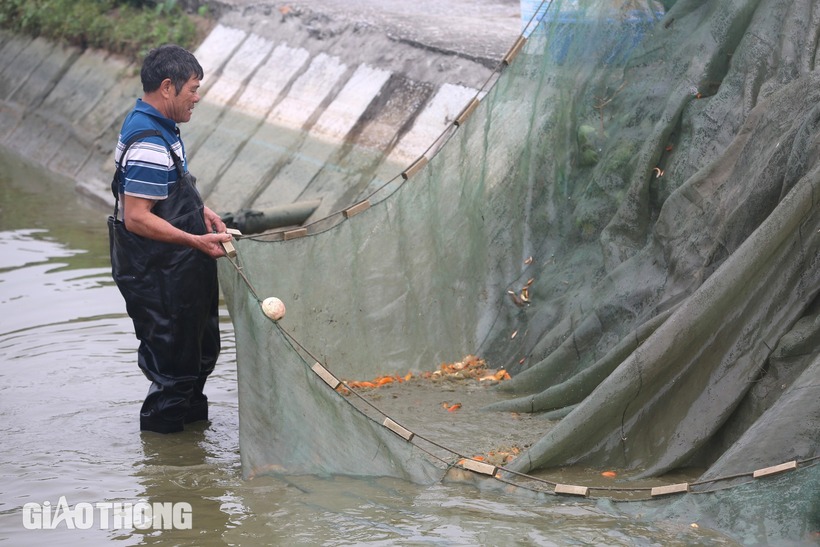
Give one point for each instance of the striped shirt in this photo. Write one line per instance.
(149, 168)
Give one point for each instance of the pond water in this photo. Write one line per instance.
(75, 466)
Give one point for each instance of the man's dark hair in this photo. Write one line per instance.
(169, 61)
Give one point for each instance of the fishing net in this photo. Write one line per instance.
(623, 219)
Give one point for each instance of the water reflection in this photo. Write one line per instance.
(70, 393)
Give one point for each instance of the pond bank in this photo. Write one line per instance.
(319, 102)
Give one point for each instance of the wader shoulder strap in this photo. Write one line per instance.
(115, 182)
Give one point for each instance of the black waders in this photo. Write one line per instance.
(171, 294)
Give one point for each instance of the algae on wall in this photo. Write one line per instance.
(63, 108)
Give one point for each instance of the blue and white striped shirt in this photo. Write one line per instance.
(149, 168)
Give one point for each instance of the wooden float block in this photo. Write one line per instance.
(230, 250)
(356, 209)
(680, 488)
(788, 466)
(572, 490)
(402, 432)
(514, 50)
(293, 234)
(478, 467)
(414, 168)
(326, 375)
(468, 110)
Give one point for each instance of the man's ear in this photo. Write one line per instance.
(167, 88)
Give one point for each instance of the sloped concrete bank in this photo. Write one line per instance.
(297, 103)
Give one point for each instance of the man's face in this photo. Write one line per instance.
(182, 104)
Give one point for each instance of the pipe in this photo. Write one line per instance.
(254, 221)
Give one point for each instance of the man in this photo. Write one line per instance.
(163, 251)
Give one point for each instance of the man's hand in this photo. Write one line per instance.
(211, 244)
(213, 221)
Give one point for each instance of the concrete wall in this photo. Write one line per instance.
(295, 106)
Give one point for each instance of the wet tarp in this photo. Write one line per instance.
(627, 221)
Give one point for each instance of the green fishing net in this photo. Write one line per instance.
(624, 219)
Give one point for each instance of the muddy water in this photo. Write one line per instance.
(70, 393)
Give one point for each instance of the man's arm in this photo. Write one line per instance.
(140, 220)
